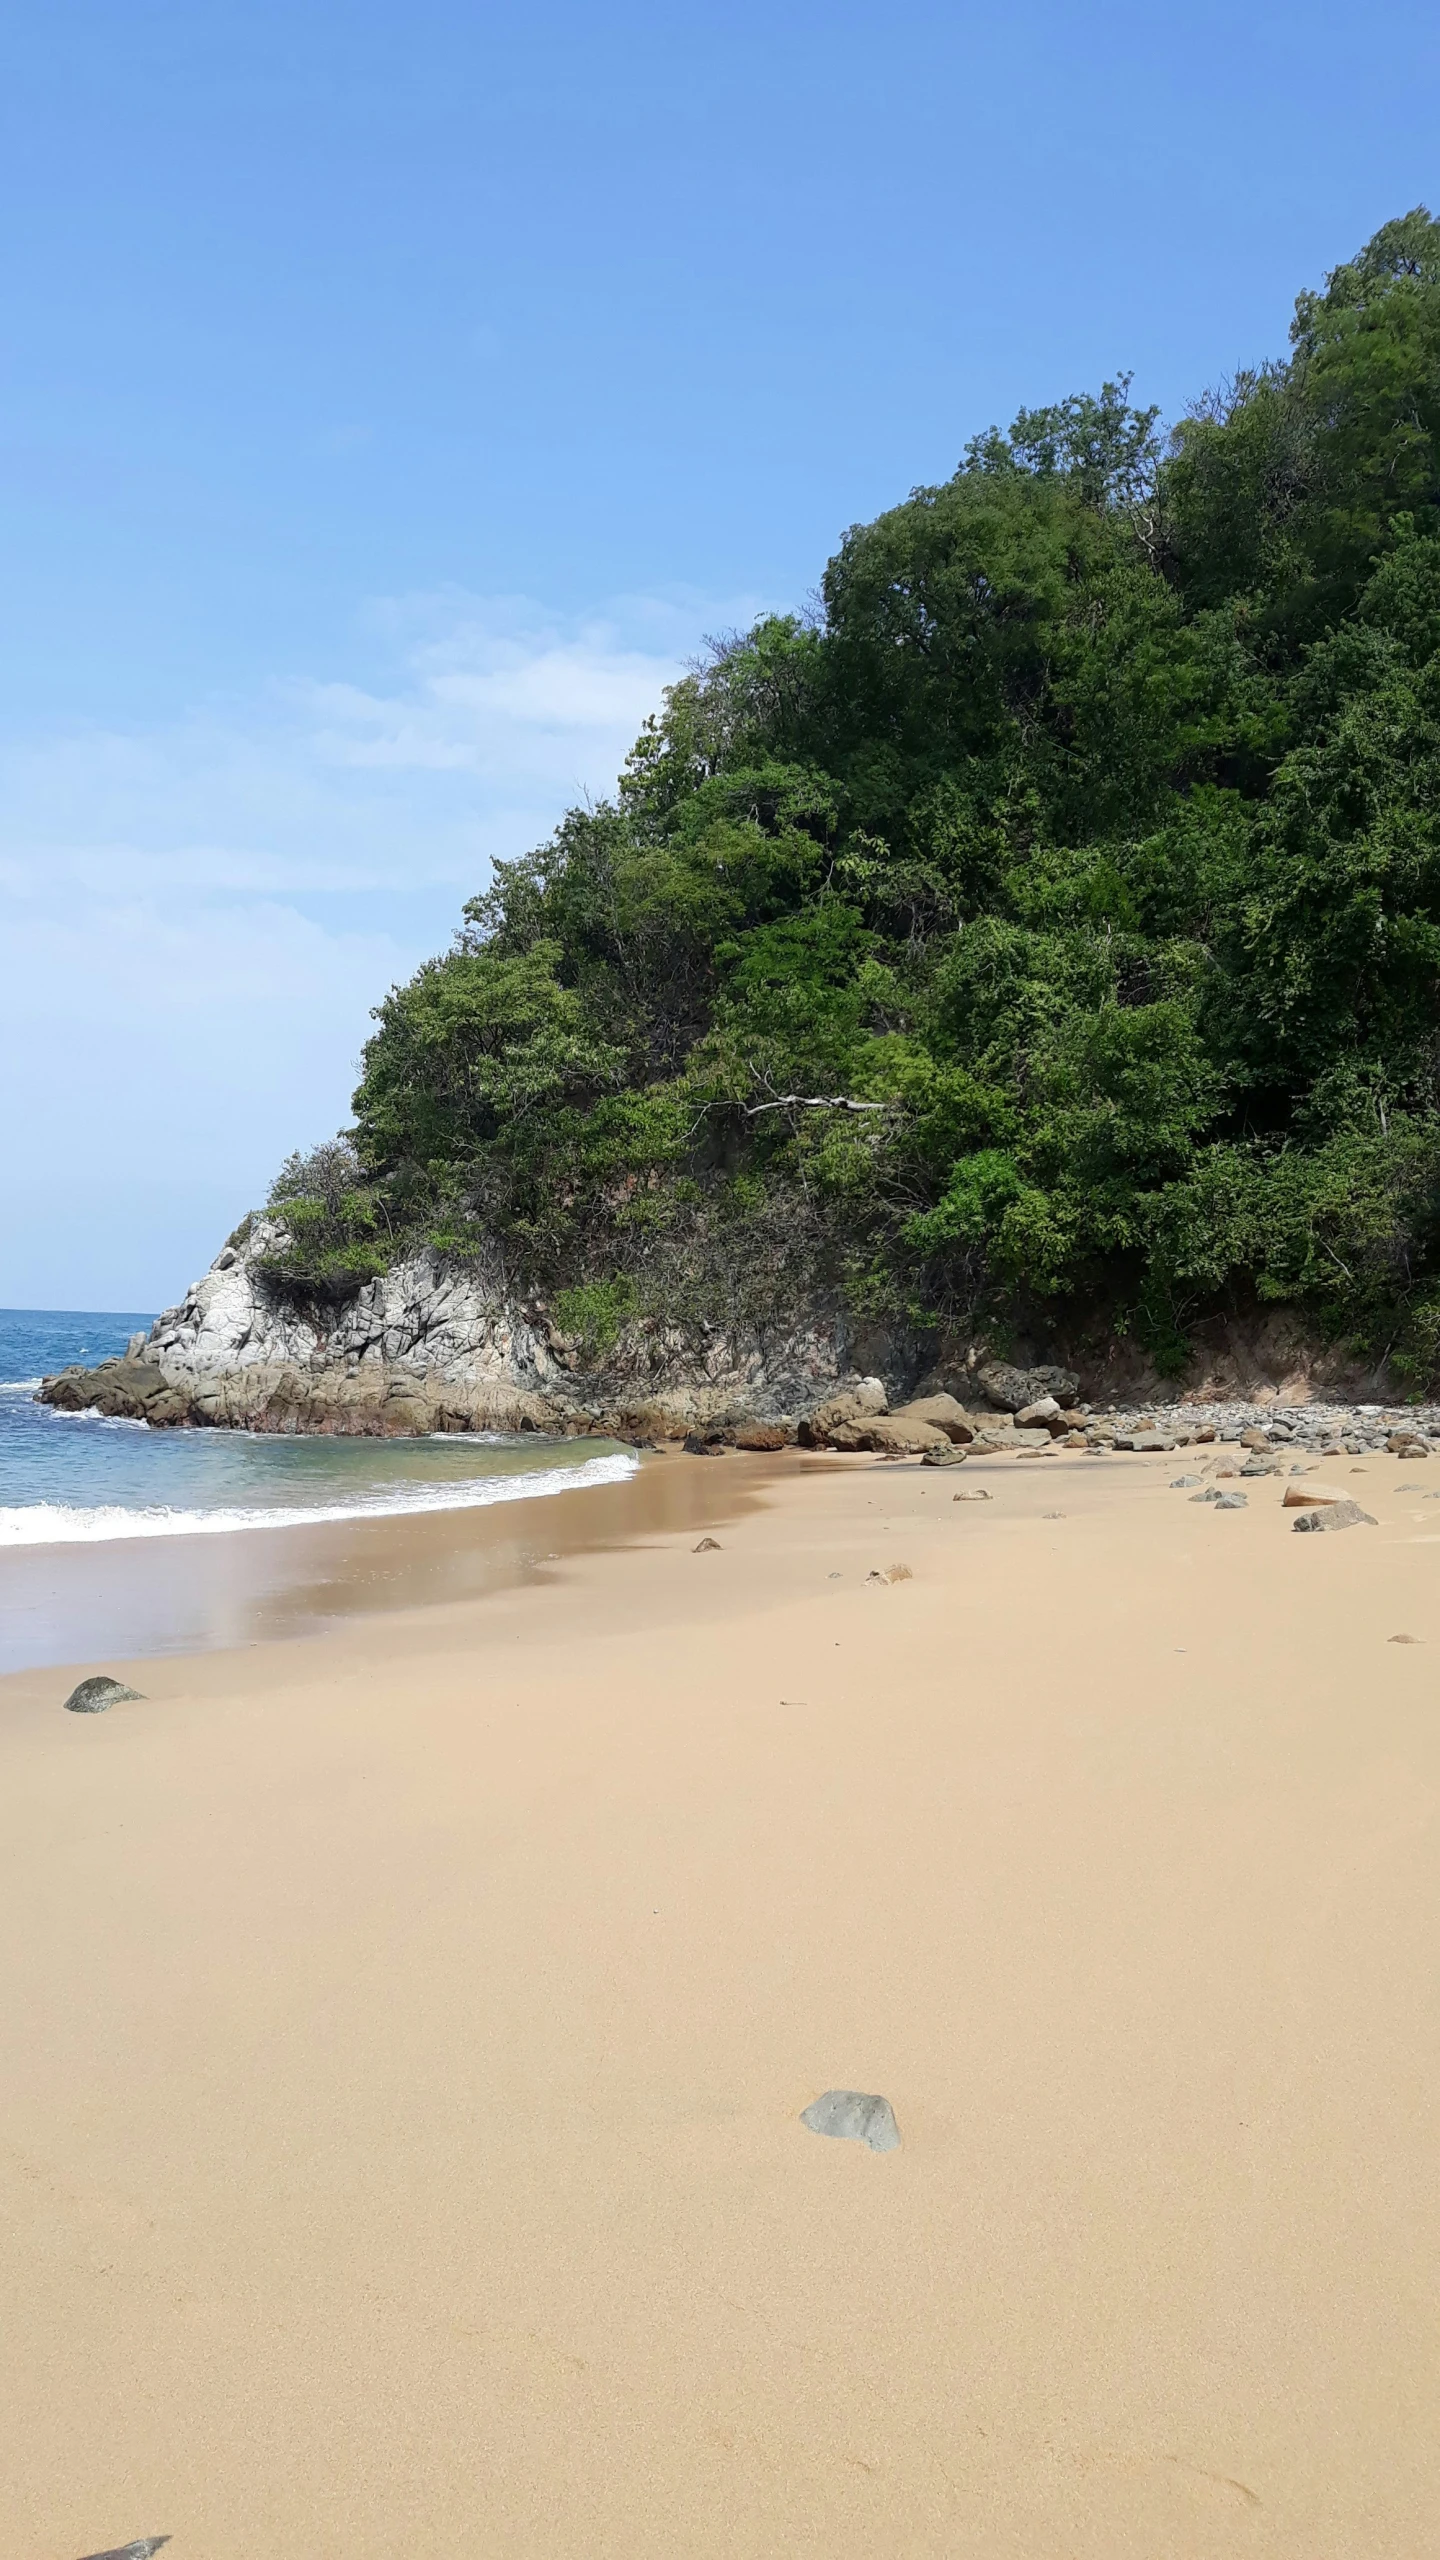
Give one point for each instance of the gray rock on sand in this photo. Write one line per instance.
(1180, 1484)
(846, 2115)
(142, 2550)
(91, 1698)
(1336, 1515)
(971, 1493)
(1233, 1502)
(707, 1547)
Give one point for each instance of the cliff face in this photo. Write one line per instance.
(429, 1347)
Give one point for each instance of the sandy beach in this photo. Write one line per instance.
(408, 2026)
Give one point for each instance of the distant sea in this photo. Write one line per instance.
(68, 1477)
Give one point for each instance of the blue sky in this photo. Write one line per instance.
(392, 399)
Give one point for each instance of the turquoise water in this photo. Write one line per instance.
(67, 1478)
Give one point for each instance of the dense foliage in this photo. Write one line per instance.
(1088, 834)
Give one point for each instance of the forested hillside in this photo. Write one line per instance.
(1047, 928)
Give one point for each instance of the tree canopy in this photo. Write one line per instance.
(1088, 831)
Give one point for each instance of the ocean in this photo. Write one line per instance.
(68, 1478)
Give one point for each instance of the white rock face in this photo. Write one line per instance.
(430, 1346)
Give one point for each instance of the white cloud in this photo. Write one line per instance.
(198, 916)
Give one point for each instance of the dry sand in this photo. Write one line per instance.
(407, 2032)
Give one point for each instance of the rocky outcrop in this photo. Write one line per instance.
(438, 1347)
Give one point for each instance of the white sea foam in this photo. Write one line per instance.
(44, 1524)
(92, 1413)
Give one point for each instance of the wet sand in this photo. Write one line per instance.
(408, 2029)
(137, 1597)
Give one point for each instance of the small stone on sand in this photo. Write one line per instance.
(142, 2550)
(972, 1493)
(1336, 1515)
(1404, 1639)
(846, 2115)
(92, 1697)
(707, 1547)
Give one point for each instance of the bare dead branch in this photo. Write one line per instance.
(792, 1102)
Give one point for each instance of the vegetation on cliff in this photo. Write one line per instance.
(1049, 925)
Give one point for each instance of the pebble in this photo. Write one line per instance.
(848, 2115)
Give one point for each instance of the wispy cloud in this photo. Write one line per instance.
(198, 915)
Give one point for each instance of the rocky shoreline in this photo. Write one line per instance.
(430, 1348)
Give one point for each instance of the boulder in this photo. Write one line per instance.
(949, 1456)
(92, 1697)
(1335, 1515)
(848, 2115)
(763, 1435)
(1044, 1409)
(857, 1404)
(1050, 1381)
(1011, 1389)
(944, 1412)
(885, 1434)
(1254, 1440)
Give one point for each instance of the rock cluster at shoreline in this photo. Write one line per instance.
(431, 1348)
(1319, 1429)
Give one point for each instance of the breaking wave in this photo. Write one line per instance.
(40, 1524)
